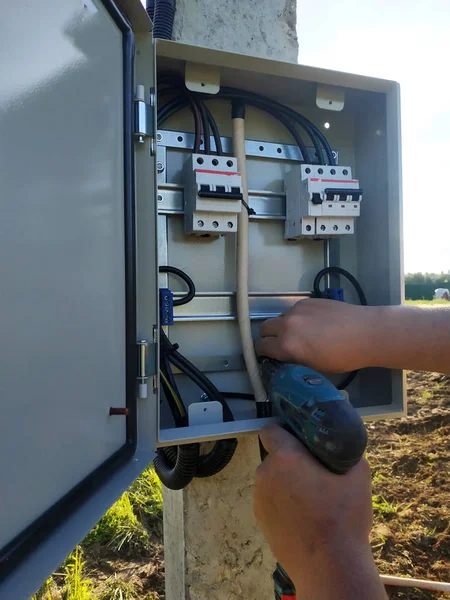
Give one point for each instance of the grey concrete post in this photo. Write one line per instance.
(212, 546)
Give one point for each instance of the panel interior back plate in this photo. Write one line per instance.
(280, 271)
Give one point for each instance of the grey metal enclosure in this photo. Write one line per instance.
(93, 197)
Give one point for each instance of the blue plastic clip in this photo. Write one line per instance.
(165, 306)
(335, 294)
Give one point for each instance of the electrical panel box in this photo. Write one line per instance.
(107, 198)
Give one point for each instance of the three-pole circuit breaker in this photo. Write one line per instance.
(212, 195)
(321, 202)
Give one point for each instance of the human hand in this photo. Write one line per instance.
(326, 335)
(317, 523)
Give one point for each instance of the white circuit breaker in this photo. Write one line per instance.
(321, 202)
(212, 195)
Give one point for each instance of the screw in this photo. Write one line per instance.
(322, 228)
(308, 228)
(347, 228)
(204, 398)
(200, 223)
(160, 198)
(226, 363)
(335, 227)
(230, 225)
(159, 166)
(159, 137)
(215, 224)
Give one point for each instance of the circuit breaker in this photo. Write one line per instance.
(321, 202)
(212, 195)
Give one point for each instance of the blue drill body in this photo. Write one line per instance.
(317, 413)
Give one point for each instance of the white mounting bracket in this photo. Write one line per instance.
(202, 78)
(205, 413)
(329, 97)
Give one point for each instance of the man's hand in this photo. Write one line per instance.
(334, 337)
(317, 523)
(329, 336)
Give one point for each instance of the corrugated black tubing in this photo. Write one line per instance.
(163, 19)
(177, 465)
(150, 8)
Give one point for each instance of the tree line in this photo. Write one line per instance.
(421, 286)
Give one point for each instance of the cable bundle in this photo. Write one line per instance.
(290, 118)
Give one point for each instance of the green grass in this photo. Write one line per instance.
(427, 302)
(45, 591)
(146, 494)
(77, 587)
(120, 529)
(382, 508)
(117, 589)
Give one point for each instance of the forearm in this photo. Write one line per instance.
(342, 575)
(409, 337)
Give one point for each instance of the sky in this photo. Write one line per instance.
(407, 41)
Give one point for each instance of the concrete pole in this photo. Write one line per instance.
(212, 546)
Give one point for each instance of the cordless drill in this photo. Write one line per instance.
(319, 415)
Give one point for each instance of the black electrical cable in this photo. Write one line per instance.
(280, 112)
(215, 132)
(173, 467)
(205, 126)
(207, 120)
(362, 299)
(238, 396)
(338, 271)
(187, 280)
(313, 132)
(177, 103)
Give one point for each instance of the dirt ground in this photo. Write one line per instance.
(410, 460)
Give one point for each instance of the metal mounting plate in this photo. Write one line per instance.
(181, 139)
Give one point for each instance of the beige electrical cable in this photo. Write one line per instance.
(243, 308)
(423, 584)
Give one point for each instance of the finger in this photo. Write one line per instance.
(269, 346)
(275, 439)
(271, 327)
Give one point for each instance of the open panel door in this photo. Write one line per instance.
(68, 322)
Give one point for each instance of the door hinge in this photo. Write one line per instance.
(143, 116)
(142, 374)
